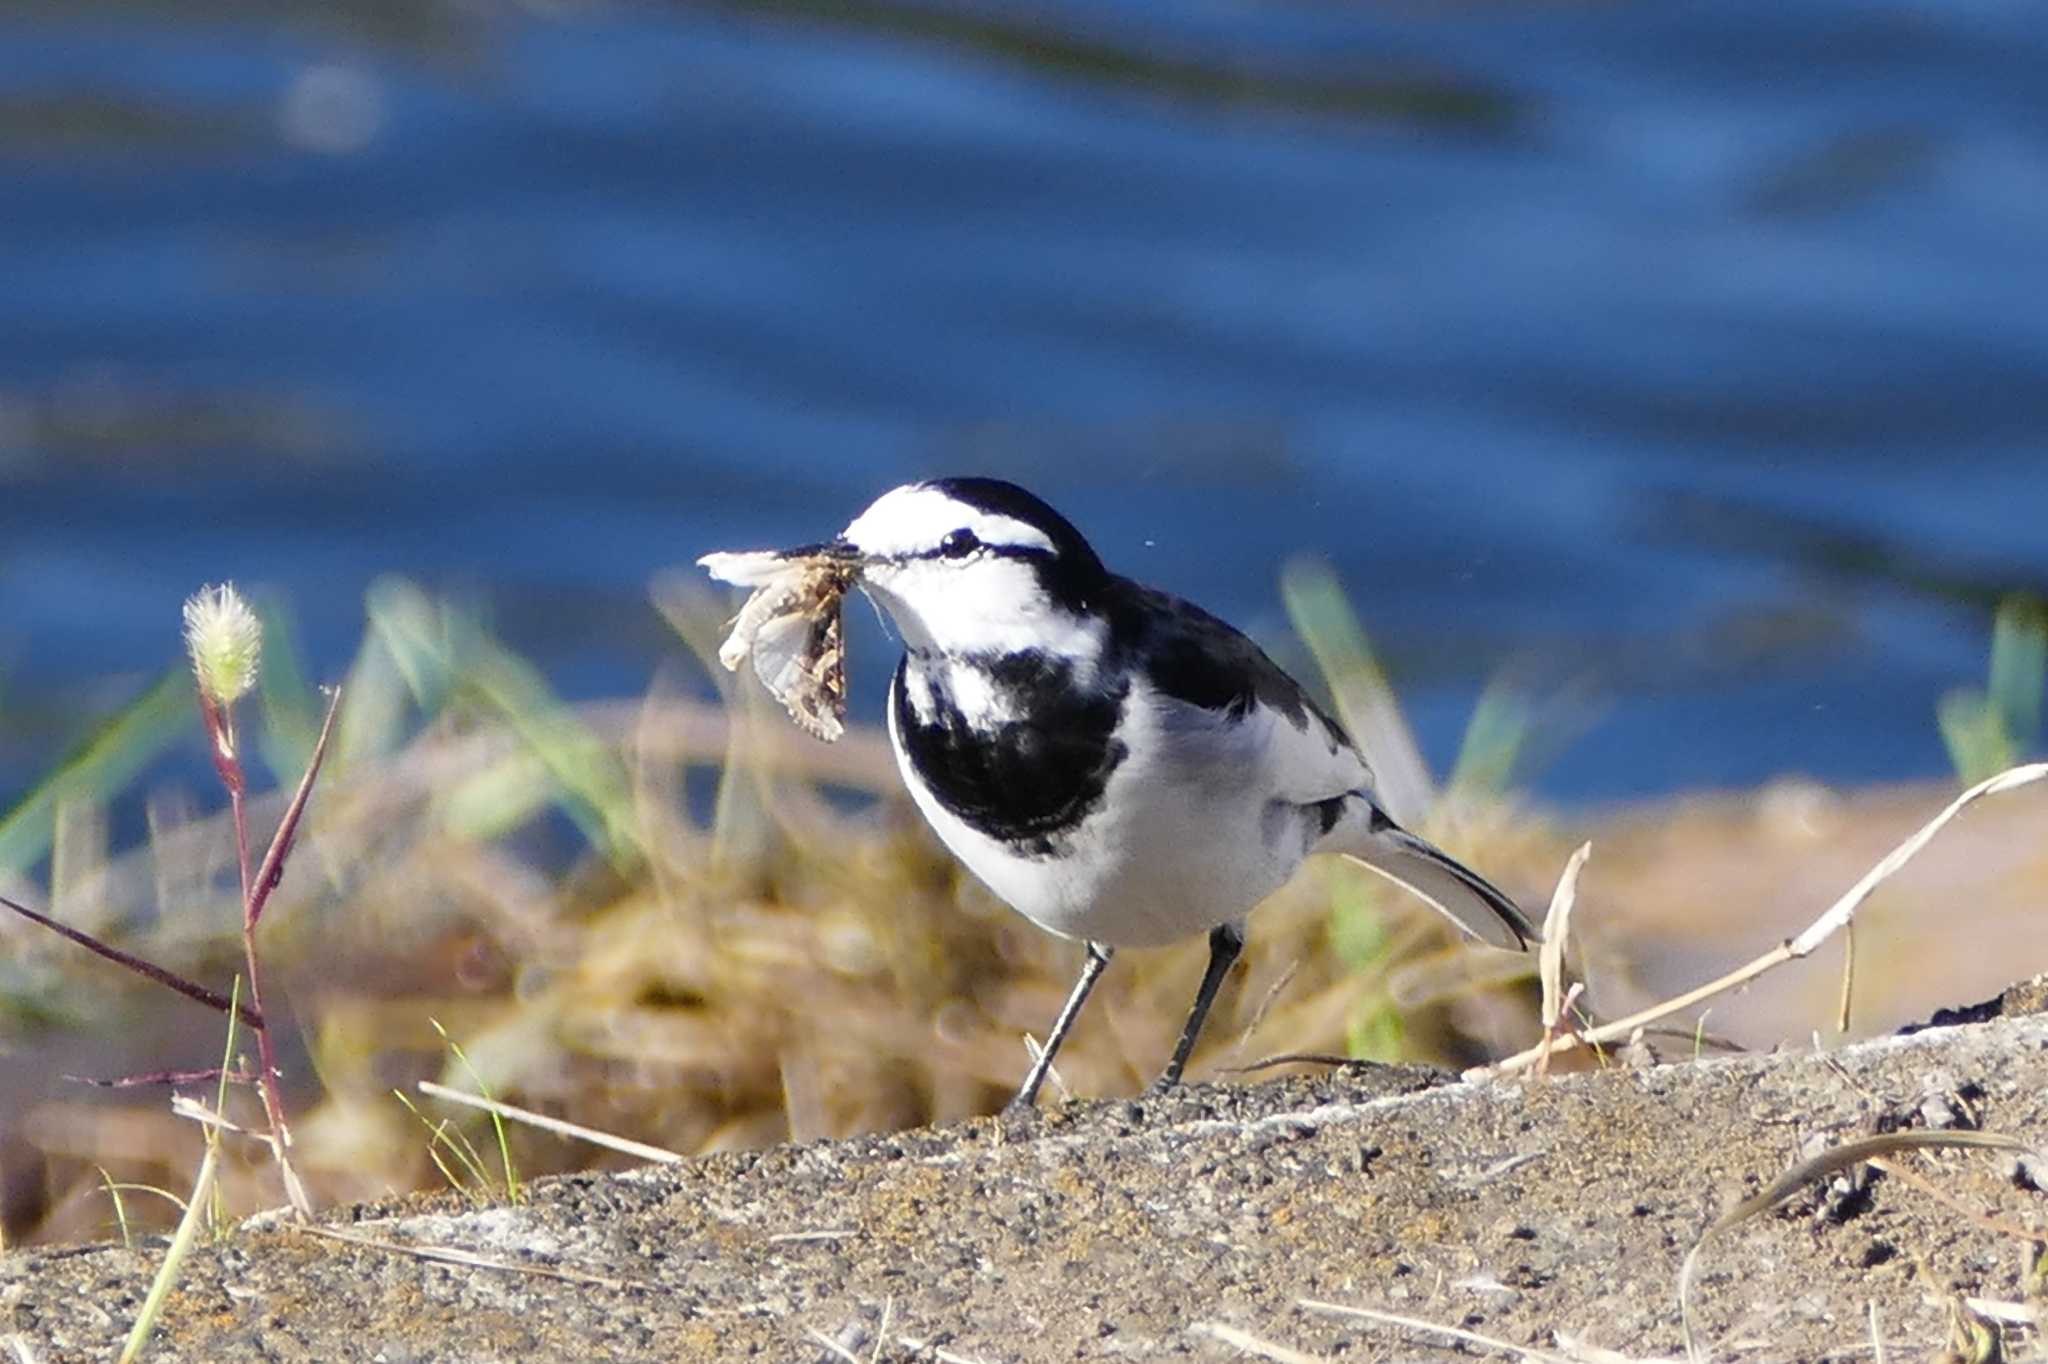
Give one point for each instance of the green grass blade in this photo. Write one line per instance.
(1358, 925)
(2019, 668)
(112, 757)
(444, 654)
(497, 1119)
(415, 637)
(291, 712)
(1496, 744)
(1977, 742)
(590, 779)
(120, 1206)
(1324, 619)
(1376, 1031)
(374, 719)
(438, 1139)
(174, 1258)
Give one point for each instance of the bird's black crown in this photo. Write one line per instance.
(1073, 573)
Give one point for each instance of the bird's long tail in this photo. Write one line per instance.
(1452, 889)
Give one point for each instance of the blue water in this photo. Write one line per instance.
(1689, 361)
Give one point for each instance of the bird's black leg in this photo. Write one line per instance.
(1225, 942)
(1091, 969)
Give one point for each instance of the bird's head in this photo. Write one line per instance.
(976, 565)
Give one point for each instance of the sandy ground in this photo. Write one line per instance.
(1552, 1214)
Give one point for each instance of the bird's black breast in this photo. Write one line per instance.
(1022, 781)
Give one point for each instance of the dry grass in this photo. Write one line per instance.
(691, 926)
(680, 923)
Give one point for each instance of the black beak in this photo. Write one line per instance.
(839, 549)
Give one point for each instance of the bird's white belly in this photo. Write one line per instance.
(1167, 854)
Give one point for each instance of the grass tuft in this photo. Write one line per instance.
(684, 925)
(511, 1186)
(1990, 730)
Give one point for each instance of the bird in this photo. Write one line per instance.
(1116, 764)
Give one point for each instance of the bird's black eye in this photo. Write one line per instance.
(958, 544)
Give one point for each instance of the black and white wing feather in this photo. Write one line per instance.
(1304, 758)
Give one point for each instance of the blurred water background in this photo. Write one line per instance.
(1688, 361)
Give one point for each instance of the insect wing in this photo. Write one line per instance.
(779, 601)
(800, 660)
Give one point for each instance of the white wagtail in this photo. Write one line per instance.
(1118, 765)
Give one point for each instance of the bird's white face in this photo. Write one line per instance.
(961, 579)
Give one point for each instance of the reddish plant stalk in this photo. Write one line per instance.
(166, 1077)
(227, 760)
(256, 889)
(190, 989)
(266, 1048)
(272, 870)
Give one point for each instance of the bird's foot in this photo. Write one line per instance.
(1022, 1107)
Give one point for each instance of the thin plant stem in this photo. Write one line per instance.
(499, 1108)
(255, 895)
(266, 1049)
(1819, 931)
(174, 1258)
(1848, 976)
(288, 828)
(191, 990)
(227, 760)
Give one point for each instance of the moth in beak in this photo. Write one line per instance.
(793, 627)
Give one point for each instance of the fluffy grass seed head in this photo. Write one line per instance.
(225, 640)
